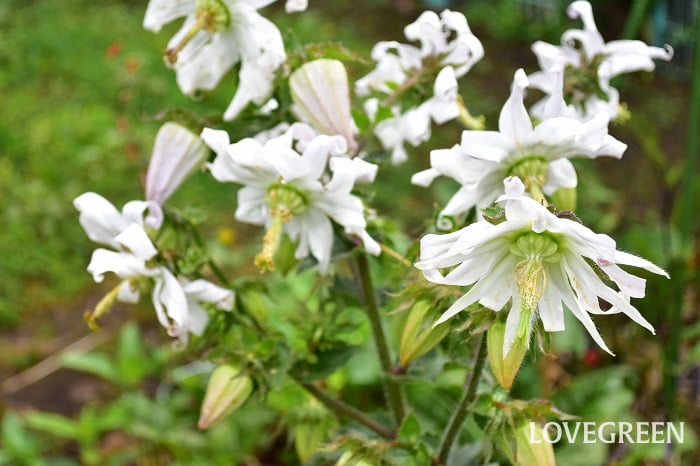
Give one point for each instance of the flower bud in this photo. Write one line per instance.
(532, 446)
(320, 91)
(227, 390)
(176, 153)
(564, 198)
(348, 459)
(504, 368)
(308, 437)
(416, 342)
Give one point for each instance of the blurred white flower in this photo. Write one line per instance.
(589, 63)
(413, 126)
(446, 44)
(445, 38)
(216, 35)
(177, 302)
(292, 192)
(177, 152)
(535, 261)
(539, 155)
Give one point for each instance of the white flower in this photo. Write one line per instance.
(536, 261)
(285, 190)
(216, 35)
(177, 152)
(537, 154)
(176, 301)
(322, 96)
(413, 126)
(589, 63)
(446, 38)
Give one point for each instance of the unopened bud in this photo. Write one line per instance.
(533, 448)
(308, 437)
(322, 95)
(565, 199)
(504, 367)
(417, 338)
(349, 459)
(227, 390)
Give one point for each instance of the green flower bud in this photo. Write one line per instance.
(308, 437)
(565, 198)
(348, 459)
(504, 368)
(226, 391)
(532, 446)
(415, 340)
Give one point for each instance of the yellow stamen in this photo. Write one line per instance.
(265, 260)
(102, 308)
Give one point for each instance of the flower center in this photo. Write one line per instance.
(284, 202)
(581, 83)
(529, 274)
(530, 169)
(211, 16)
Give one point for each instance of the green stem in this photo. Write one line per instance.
(342, 409)
(393, 390)
(461, 411)
(688, 201)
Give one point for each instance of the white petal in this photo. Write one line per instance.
(136, 240)
(161, 12)
(514, 120)
(101, 221)
(205, 291)
(319, 232)
(626, 258)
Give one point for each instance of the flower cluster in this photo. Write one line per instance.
(589, 63)
(537, 154)
(535, 261)
(446, 44)
(296, 192)
(215, 36)
(177, 300)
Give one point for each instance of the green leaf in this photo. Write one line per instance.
(98, 364)
(54, 424)
(409, 431)
(327, 362)
(132, 363)
(383, 113)
(361, 120)
(16, 440)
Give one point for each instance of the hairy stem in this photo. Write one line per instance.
(392, 388)
(462, 409)
(343, 409)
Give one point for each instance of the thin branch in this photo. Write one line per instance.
(343, 409)
(461, 411)
(393, 390)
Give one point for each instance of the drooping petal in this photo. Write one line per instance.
(136, 241)
(161, 12)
